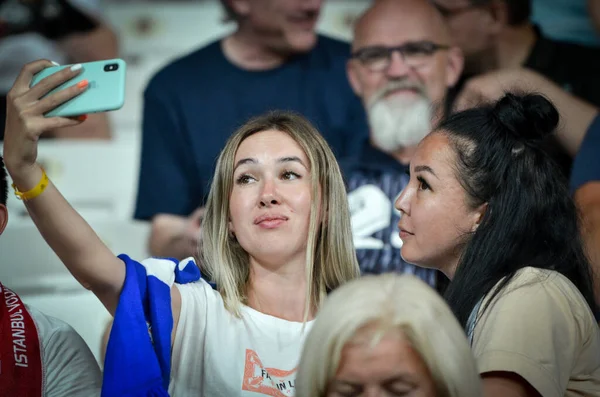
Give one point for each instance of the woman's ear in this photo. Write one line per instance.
(478, 216)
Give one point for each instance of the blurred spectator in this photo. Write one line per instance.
(63, 31)
(575, 21)
(498, 34)
(585, 184)
(274, 60)
(40, 355)
(402, 66)
(386, 335)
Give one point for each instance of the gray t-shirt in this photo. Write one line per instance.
(70, 369)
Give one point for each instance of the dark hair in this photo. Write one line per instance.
(530, 219)
(3, 183)
(519, 11)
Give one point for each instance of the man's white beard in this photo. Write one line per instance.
(397, 122)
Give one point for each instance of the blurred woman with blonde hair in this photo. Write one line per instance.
(387, 335)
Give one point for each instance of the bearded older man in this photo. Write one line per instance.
(402, 66)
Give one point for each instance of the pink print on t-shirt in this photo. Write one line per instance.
(268, 381)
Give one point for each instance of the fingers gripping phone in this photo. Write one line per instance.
(105, 92)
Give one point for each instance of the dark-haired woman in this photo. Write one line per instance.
(488, 207)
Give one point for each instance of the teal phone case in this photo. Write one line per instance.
(106, 90)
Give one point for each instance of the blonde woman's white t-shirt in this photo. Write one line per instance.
(216, 354)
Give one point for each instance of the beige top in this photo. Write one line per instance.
(541, 328)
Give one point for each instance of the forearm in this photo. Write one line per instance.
(73, 240)
(587, 199)
(168, 237)
(506, 384)
(591, 238)
(576, 114)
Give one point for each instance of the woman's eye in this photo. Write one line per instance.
(423, 185)
(244, 179)
(289, 175)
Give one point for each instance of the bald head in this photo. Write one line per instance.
(402, 65)
(393, 20)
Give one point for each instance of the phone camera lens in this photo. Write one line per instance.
(111, 67)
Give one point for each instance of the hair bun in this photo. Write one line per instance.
(529, 117)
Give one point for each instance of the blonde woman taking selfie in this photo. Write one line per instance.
(276, 239)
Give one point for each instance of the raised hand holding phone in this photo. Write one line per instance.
(25, 120)
(90, 261)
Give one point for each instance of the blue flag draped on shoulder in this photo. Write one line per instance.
(138, 355)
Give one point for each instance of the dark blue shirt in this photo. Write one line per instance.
(374, 181)
(194, 104)
(586, 166)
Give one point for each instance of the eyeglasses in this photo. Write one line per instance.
(415, 54)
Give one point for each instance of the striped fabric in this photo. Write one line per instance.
(374, 182)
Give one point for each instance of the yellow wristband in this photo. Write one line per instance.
(36, 191)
